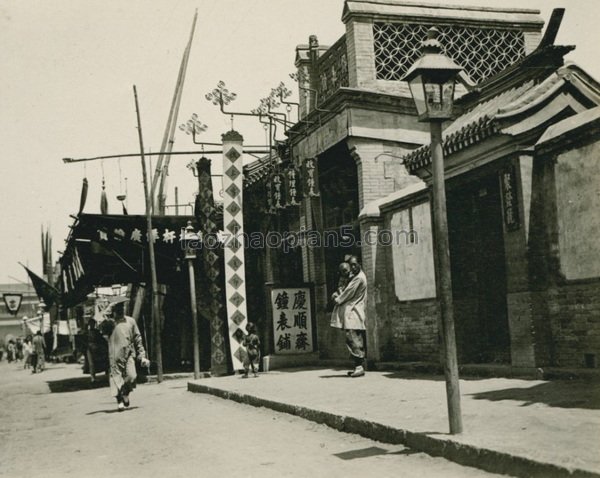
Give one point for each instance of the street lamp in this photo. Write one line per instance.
(431, 80)
(190, 240)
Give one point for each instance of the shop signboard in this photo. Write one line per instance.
(292, 318)
(508, 183)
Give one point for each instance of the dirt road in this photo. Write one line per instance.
(56, 424)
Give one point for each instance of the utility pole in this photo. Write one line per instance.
(445, 279)
(155, 312)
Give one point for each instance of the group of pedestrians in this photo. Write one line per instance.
(31, 351)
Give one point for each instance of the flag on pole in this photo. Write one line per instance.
(44, 291)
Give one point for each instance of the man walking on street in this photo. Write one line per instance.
(124, 344)
(351, 302)
(39, 352)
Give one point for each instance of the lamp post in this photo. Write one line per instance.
(431, 80)
(189, 242)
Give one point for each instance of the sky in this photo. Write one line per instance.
(67, 70)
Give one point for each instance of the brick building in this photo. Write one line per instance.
(12, 325)
(521, 169)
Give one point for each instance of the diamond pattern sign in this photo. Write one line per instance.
(235, 287)
(212, 308)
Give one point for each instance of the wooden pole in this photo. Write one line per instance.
(167, 142)
(155, 311)
(194, 319)
(445, 279)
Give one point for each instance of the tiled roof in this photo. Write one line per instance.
(483, 120)
(256, 170)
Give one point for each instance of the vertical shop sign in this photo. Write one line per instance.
(510, 201)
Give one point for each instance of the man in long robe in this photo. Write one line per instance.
(39, 352)
(351, 302)
(124, 344)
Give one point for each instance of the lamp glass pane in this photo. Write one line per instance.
(439, 98)
(418, 93)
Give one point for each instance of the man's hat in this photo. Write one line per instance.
(117, 300)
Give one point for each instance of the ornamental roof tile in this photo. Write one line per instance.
(491, 116)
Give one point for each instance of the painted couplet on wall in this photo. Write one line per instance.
(233, 223)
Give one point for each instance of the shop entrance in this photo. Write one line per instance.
(478, 271)
(338, 183)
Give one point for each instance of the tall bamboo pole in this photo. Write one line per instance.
(161, 195)
(167, 142)
(155, 311)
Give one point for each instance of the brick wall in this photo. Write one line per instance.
(565, 313)
(359, 49)
(575, 321)
(409, 332)
(372, 181)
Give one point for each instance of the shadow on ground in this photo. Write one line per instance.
(76, 384)
(371, 451)
(111, 410)
(560, 394)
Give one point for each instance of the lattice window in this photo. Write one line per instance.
(482, 52)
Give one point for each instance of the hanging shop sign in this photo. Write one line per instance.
(292, 319)
(291, 190)
(269, 196)
(510, 202)
(310, 178)
(278, 193)
(13, 302)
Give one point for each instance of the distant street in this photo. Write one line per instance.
(57, 424)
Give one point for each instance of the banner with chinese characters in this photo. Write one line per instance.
(510, 200)
(292, 320)
(106, 249)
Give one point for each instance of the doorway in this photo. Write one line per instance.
(479, 271)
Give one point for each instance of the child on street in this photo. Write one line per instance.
(252, 344)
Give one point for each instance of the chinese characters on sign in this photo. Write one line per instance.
(292, 320)
(509, 199)
(310, 177)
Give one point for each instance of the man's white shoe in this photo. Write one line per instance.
(358, 372)
(121, 406)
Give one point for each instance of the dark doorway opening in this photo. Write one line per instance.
(479, 271)
(340, 235)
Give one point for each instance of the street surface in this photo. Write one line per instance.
(57, 424)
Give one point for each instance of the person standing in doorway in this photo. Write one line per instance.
(124, 345)
(351, 302)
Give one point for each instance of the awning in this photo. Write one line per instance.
(113, 249)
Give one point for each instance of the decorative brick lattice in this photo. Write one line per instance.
(333, 69)
(481, 52)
